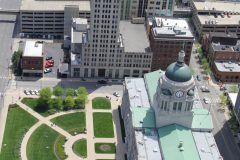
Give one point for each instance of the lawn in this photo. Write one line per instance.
(59, 150)
(17, 124)
(80, 148)
(41, 144)
(72, 123)
(33, 103)
(105, 148)
(103, 125)
(101, 103)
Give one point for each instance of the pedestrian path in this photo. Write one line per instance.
(91, 140)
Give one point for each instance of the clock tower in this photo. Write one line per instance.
(173, 100)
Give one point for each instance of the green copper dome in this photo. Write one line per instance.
(178, 72)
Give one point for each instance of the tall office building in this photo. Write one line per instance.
(136, 9)
(104, 41)
(109, 47)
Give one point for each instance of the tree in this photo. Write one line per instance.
(223, 100)
(16, 57)
(69, 102)
(82, 91)
(44, 98)
(80, 102)
(58, 91)
(233, 89)
(69, 92)
(56, 103)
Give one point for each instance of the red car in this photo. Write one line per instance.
(47, 65)
(50, 61)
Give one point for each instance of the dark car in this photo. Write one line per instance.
(199, 77)
(48, 58)
(48, 70)
(102, 82)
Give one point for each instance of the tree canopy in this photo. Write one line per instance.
(58, 91)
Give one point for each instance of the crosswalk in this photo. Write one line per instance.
(215, 100)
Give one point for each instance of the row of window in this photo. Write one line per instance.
(177, 106)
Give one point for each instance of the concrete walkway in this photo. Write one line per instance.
(13, 97)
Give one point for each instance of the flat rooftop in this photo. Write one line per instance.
(147, 145)
(138, 96)
(53, 5)
(134, 37)
(143, 117)
(33, 49)
(228, 66)
(211, 20)
(206, 146)
(171, 26)
(218, 6)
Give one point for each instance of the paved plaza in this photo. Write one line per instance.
(15, 96)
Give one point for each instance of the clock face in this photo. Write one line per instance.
(179, 94)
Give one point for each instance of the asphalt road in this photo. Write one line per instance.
(222, 133)
(7, 24)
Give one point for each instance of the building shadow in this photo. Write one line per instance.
(228, 147)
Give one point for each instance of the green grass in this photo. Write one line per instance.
(101, 103)
(33, 103)
(41, 144)
(73, 122)
(59, 150)
(112, 148)
(80, 148)
(103, 125)
(17, 124)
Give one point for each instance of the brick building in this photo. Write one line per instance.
(33, 59)
(223, 54)
(167, 37)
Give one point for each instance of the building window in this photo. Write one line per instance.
(179, 106)
(174, 106)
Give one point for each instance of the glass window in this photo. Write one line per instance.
(179, 106)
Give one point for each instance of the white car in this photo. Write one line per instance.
(26, 92)
(36, 92)
(116, 94)
(206, 100)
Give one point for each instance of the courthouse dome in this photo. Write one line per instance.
(179, 71)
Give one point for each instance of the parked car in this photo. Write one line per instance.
(223, 88)
(48, 70)
(48, 58)
(32, 92)
(102, 82)
(36, 91)
(48, 65)
(50, 61)
(205, 89)
(206, 100)
(26, 92)
(199, 77)
(116, 94)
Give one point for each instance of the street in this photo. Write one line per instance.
(222, 133)
(6, 40)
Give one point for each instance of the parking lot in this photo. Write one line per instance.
(53, 50)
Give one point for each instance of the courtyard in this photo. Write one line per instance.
(72, 134)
